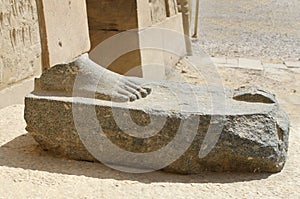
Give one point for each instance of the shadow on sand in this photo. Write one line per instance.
(23, 152)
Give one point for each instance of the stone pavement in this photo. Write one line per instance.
(279, 72)
(253, 64)
(16, 93)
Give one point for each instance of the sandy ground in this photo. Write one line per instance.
(26, 171)
(265, 29)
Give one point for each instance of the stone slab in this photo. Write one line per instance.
(271, 65)
(295, 70)
(250, 64)
(253, 130)
(225, 62)
(219, 60)
(169, 47)
(63, 29)
(292, 64)
(232, 62)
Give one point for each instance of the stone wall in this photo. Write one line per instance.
(20, 51)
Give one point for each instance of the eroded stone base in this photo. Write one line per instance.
(248, 136)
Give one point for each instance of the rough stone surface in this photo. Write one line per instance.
(254, 137)
(19, 41)
(64, 30)
(254, 94)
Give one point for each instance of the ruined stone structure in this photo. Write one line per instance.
(20, 56)
(62, 40)
(85, 112)
(253, 131)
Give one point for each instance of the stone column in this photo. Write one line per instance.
(63, 29)
(184, 9)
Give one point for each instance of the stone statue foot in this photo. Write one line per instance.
(85, 78)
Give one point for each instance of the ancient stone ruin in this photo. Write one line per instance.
(83, 111)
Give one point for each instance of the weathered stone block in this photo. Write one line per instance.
(292, 64)
(249, 134)
(250, 64)
(63, 29)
